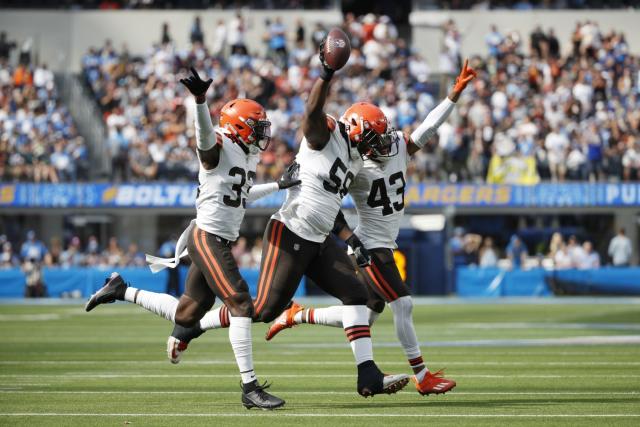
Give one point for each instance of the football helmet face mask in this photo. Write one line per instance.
(367, 127)
(247, 121)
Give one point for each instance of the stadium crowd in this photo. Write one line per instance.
(570, 109)
(38, 139)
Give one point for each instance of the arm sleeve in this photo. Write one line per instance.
(261, 190)
(430, 125)
(204, 128)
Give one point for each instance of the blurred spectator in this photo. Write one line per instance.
(516, 252)
(73, 255)
(236, 35)
(165, 38)
(488, 255)
(34, 283)
(32, 248)
(219, 38)
(196, 35)
(113, 255)
(589, 258)
(562, 259)
(620, 249)
(133, 256)
(6, 46)
(7, 258)
(575, 251)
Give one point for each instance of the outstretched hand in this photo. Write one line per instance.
(196, 85)
(290, 177)
(327, 71)
(466, 75)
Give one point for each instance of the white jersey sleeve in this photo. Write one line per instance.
(378, 193)
(311, 207)
(223, 190)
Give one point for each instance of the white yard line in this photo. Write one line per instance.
(179, 375)
(398, 361)
(305, 392)
(281, 413)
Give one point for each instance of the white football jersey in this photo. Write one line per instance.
(310, 208)
(378, 193)
(223, 190)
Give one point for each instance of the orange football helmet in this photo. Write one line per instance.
(368, 128)
(247, 121)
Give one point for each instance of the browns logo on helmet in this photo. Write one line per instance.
(246, 120)
(368, 128)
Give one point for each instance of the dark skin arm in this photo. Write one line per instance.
(466, 75)
(314, 122)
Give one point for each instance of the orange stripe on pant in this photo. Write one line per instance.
(198, 244)
(223, 280)
(392, 293)
(264, 268)
(272, 267)
(376, 283)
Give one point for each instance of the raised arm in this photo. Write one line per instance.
(208, 149)
(314, 122)
(439, 115)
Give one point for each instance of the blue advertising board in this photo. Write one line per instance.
(167, 195)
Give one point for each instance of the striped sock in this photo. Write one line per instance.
(215, 319)
(417, 363)
(356, 325)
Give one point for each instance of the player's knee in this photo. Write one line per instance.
(354, 300)
(240, 305)
(188, 314)
(267, 315)
(375, 305)
(402, 305)
(186, 319)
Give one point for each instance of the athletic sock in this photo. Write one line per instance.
(330, 316)
(164, 305)
(240, 338)
(355, 319)
(403, 320)
(215, 319)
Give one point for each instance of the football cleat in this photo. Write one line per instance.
(434, 383)
(255, 396)
(284, 321)
(113, 289)
(175, 348)
(371, 381)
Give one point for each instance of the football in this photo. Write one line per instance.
(337, 48)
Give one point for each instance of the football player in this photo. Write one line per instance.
(378, 194)
(228, 158)
(297, 241)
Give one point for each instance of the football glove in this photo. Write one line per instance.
(363, 257)
(466, 75)
(290, 177)
(195, 84)
(327, 72)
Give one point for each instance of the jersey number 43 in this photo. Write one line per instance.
(378, 196)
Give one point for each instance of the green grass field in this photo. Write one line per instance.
(62, 366)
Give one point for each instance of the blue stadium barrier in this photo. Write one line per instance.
(87, 280)
(494, 282)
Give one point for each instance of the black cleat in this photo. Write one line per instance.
(371, 381)
(255, 396)
(113, 289)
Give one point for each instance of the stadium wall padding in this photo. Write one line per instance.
(85, 280)
(494, 282)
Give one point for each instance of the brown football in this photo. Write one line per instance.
(336, 49)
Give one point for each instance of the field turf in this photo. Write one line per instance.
(555, 363)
